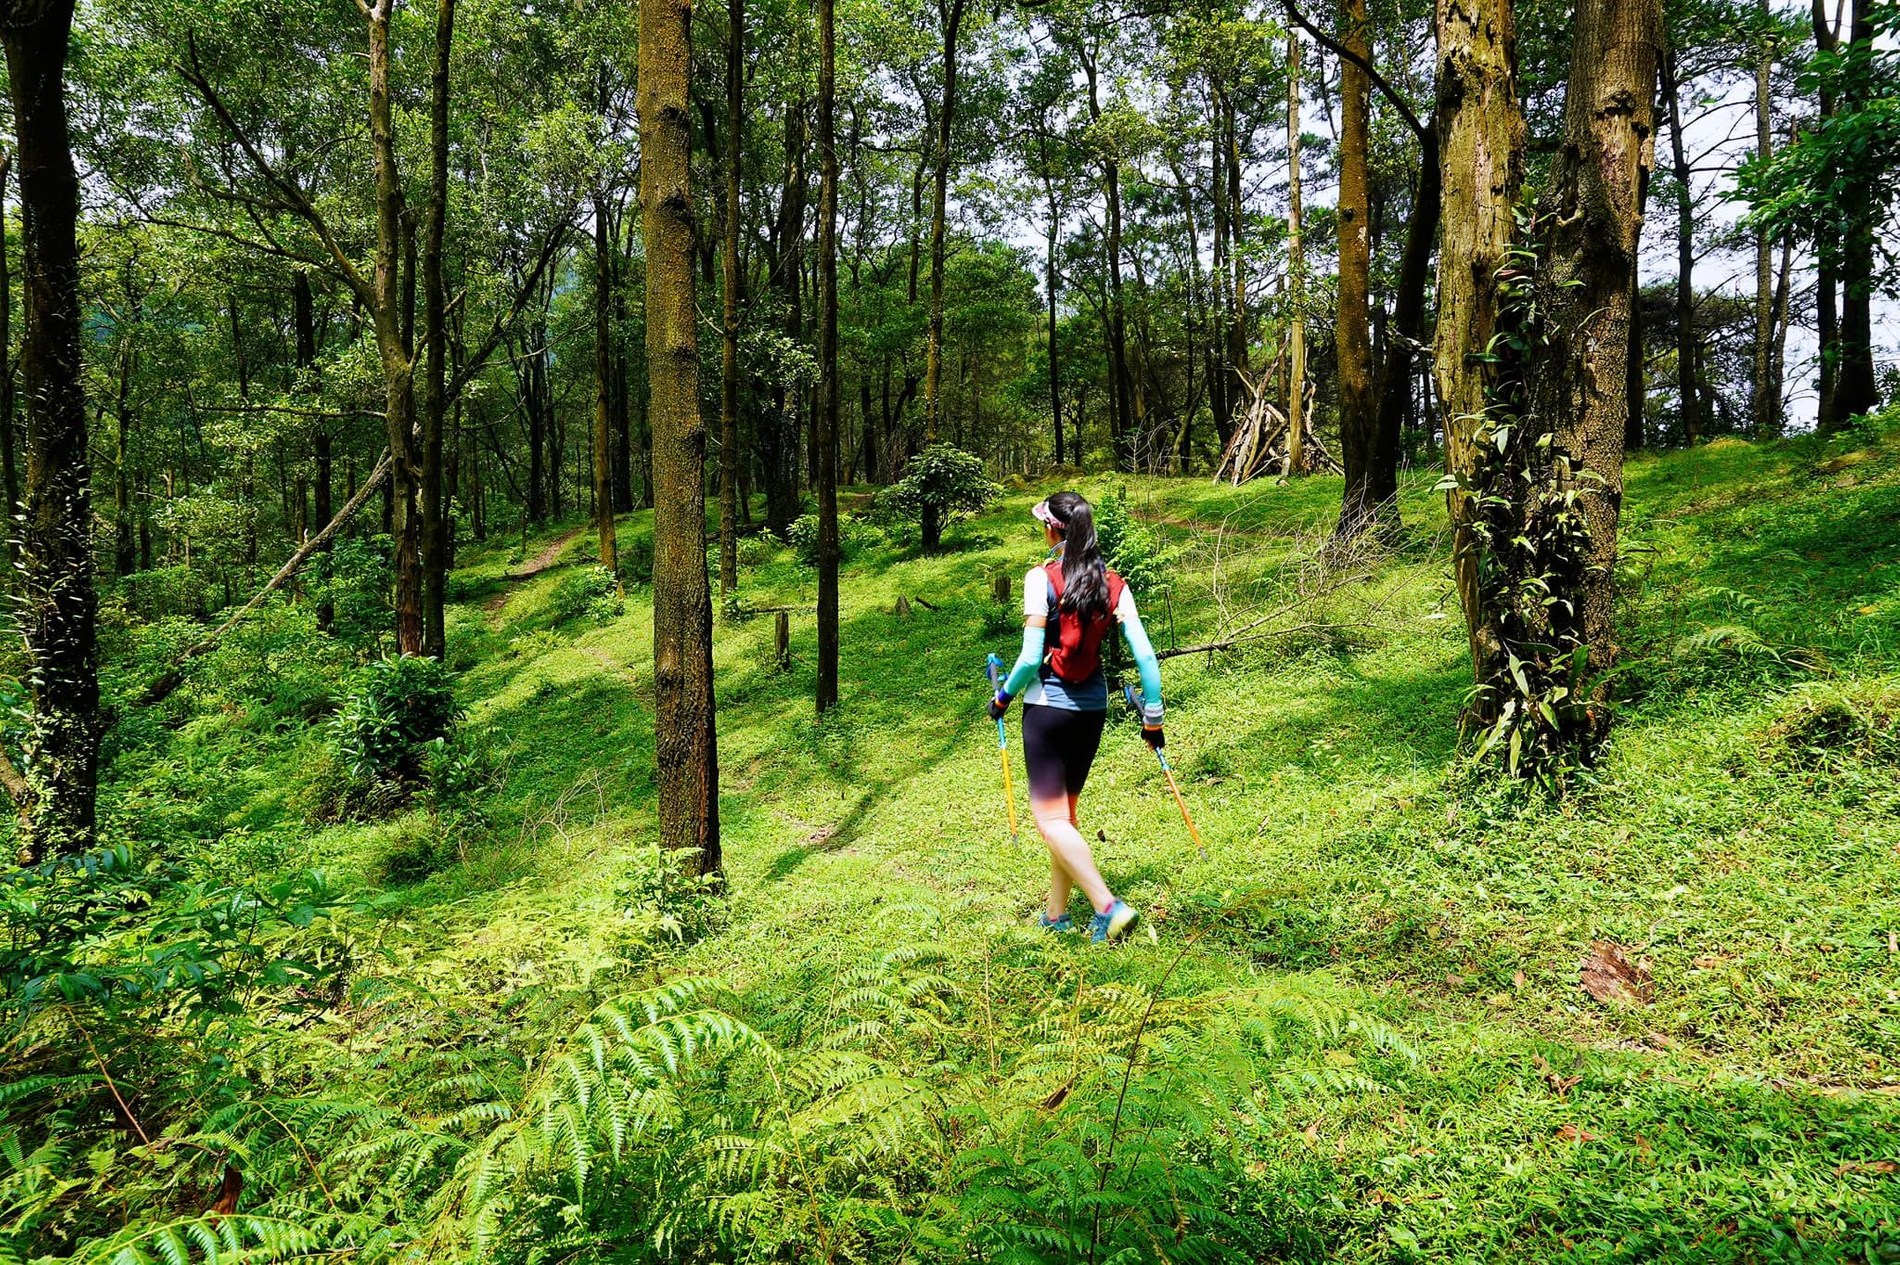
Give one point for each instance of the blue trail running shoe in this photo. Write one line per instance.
(1058, 925)
(1117, 922)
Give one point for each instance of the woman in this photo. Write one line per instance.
(1065, 700)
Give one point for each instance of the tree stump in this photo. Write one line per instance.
(1001, 590)
(782, 641)
(902, 609)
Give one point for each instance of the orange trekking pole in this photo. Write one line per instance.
(993, 668)
(1128, 692)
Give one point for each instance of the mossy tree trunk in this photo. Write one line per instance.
(1688, 386)
(58, 605)
(1295, 271)
(433, 530)
(1480, 161)
(1366, 497)
(1591, 219)
(604, 378)
(685, 745)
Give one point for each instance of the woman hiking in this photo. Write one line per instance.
(1065, 700)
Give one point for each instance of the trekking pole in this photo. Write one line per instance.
(1128, 692)
(993, 668)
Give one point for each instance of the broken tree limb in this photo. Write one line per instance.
(175, 674)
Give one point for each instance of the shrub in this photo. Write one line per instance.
(756, 551)
(941, 482)
(855, 535)
(398, 707)
(737, 608)
(634, 561)
(1133, 548)
(415, 849)
(355, 578)
(592, 592)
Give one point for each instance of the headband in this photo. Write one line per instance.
(1042, 512)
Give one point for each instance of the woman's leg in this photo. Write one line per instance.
(1069, 856)
(1058, 747)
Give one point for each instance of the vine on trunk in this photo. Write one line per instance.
(1530, 708)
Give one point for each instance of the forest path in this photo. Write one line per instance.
(535, 566)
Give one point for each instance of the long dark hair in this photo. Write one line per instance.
(1084, 574)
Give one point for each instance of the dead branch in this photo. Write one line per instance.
(175, 674)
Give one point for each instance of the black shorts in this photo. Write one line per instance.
(1058, 746)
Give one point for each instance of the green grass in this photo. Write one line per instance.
(1739, 836)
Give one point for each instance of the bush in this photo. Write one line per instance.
(756, 551)
(942, 480)
(855, 535)
(416, 848)
(1134, 549)
(164, 591)
(634, 561)
(355, 578)
(397, 708)
(737, 608)
(592, 592)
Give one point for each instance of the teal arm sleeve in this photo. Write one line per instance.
(1026, 663)
(1145, 663)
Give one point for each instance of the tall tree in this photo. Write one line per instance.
(604, 248)
(1688, 347)
(434, 528)
(828, 326)
(9, 454)
(685, 743)
(1296, 418)
(950, 22)
(1764, 408)
(729, 354)
(58, 606)
(1481, 153)
(1365, 499)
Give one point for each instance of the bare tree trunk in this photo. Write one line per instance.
(1363, 502)
(1827, 418)
(9, 453)
(685, 746)
(1688, 386)
(729, 358)
(950, 19)
(125, 554)
(1855, 390)
(1049, 288)
(304, 327)
(603, 463)
(1765, 412)
(57, 603)
(434, 528)
(828, 328)
(1296, 272)
(778, 436)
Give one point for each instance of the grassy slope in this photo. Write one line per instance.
(1745, 1112)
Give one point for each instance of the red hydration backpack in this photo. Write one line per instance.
(1077, 655)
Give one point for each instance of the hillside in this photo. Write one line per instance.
(1357, 1026)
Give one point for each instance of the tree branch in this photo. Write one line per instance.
(1425, 136)
(174, 676)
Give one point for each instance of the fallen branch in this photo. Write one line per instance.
(1207, 647)
(926, 605)
(174, 676)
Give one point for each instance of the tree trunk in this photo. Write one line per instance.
(1827, 416)
(303, 322)
(1593, 204)
(685, 746)
(57, 604)
(1855, 390)
(1688, 387)
(1296, 420)
(1765, 411)
(125, 553)
(950, 18)
(729, 358)
(9, 452)
(1049, 289)
(1481, 142)
(1121, 415)
(828, 330)
(434, 528)
(603, 463)
(1363, 503)
(393, 339)
(778, 437)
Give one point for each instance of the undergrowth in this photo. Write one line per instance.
(478, 1016)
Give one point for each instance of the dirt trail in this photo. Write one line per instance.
(534, 566)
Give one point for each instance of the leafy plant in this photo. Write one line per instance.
(593, 592)
(940, 483)
(397, 708)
